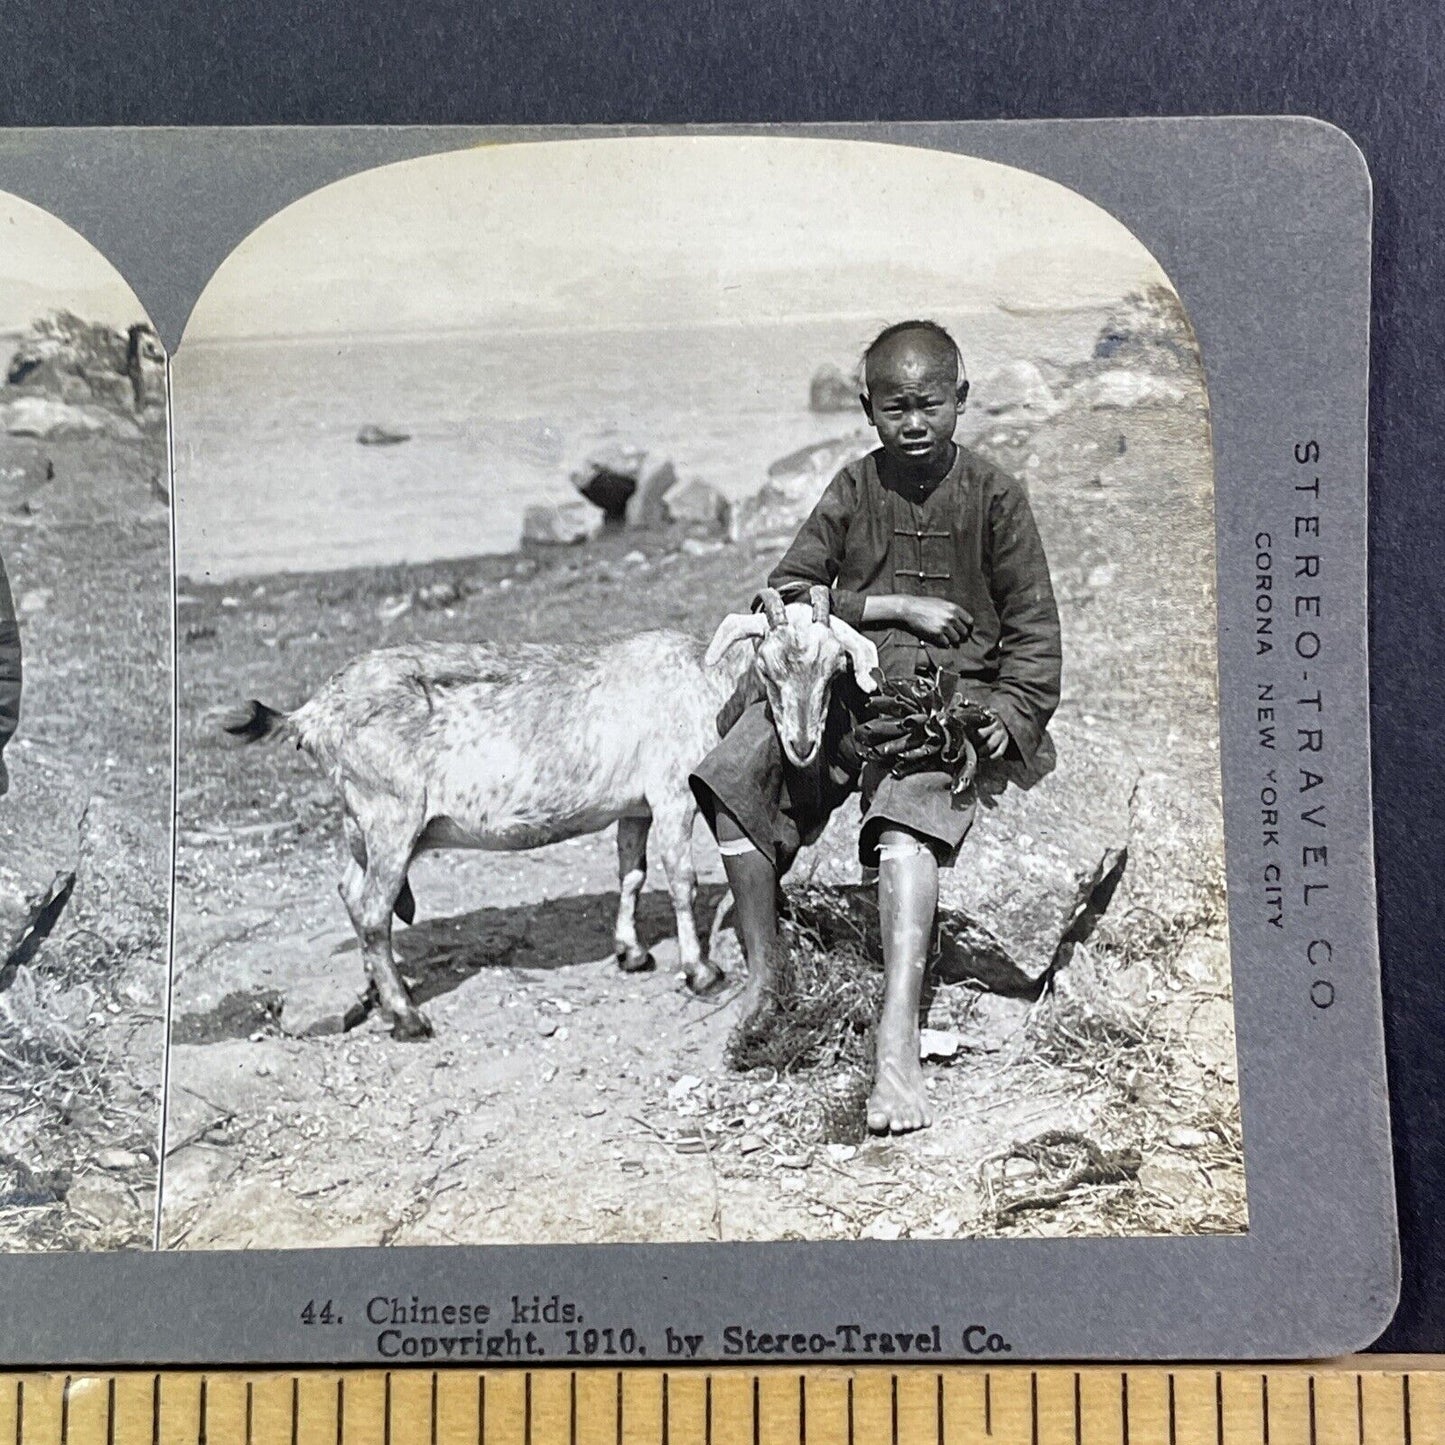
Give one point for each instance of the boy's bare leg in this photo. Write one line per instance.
(907, 902)
(754, 882)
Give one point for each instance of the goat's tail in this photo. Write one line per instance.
(251, 721)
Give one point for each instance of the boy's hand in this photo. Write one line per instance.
(994, 737)
(936, 619)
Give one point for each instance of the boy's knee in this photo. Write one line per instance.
(727, 830)
(901, 844)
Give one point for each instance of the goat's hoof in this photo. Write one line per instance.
(706, 980)
(411, 1027)
(635, 960)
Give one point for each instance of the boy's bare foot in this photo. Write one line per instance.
(899, 1102)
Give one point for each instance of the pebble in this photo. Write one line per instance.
(883, 1228)
(750, 1144)
(937, 1044)
(594, 1111)
(546, 1026)
(683, 1087)
(1189, 1138)
(119, 1159)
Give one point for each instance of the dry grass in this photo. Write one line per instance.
(827, 991)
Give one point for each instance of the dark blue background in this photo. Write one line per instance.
(1377, 70)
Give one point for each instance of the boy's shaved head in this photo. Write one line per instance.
(913, 350)
(914, 392)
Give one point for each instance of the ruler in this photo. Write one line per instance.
(1365, 1401)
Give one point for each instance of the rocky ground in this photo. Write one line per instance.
(561, 1100)
(86, 544)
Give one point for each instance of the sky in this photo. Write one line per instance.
(45, 267)
(666, 231)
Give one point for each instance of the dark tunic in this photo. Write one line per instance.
(971, 540)
(9, 664)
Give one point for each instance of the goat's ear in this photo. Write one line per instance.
(733, 628)
(861, 653)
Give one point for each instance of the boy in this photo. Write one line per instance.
(9, 675)
(933, 553)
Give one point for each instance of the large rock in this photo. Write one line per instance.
(1117, 389)
(45, 417)
(832, 389)
(808, 470)
(560, 524)
(646, 509)
(1046, 848)
(794, 484)
(698, 504)
(1018, 387)
(1149, 331)
(609, 478)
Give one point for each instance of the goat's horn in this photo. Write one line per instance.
(822, 601)
(772, 601)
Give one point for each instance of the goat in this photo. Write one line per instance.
(501, 747)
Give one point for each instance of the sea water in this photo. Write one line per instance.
(270, 476)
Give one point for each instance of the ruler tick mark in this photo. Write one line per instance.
(526, 1409)
(1405, 1407)
(65, 1412)
(571, 1410)
(1173, 1436)
(1314, 1437)
(850, 1410)
(20, 1412)
(201, 1418)
(938, 1412)
(1033, 1407)
(481, 1409)
(893, 1410)
(802, 1410)
(340, 1408)
(988, 1403)
(295, 1409)
(110, 1411)
(666, 1408)
(155, 1410)
(1264, 1406)
(1218, 1408)
(248, 1413)
(385, 1409)
(1124, 1407)
(1360, 1408)
(619, 1407)
(707, 1409)
(1078, 1410)
(433, 1435)
(757, 1411)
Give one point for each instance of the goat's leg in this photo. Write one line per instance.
(350, 885)
(389, 830)
(354, 879)
(632, 957)
(674, 821)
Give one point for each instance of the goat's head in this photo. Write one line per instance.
(800, 648)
